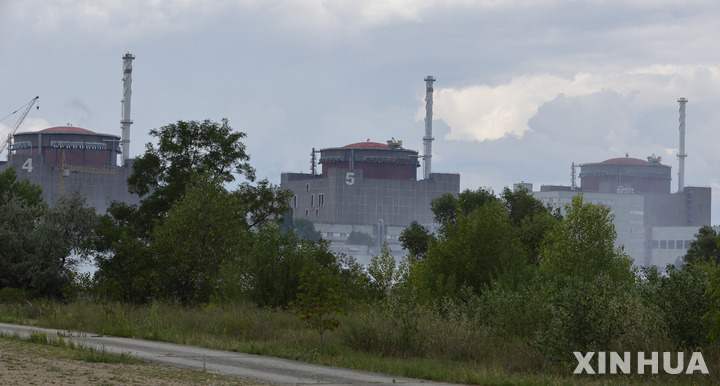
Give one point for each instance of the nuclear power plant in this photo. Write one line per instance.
(654, 225)
(66, 159)
(370, 187)
(379, 188)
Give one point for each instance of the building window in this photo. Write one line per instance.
(307, 212)
(663, 244)
(687, 244)
(294, 201)
(312, 200)
(307, 187)
(671, 244)
(317, 212)
(655, 244)
(321, 199)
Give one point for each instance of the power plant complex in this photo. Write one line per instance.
(379, 188)
(370, 187)
(654, 225)
(66, 159)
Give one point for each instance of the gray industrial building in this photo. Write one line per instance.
(366, 187)
(654, 226)
(370, 187)
(66, 159)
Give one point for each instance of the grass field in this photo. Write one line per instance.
(432, 349)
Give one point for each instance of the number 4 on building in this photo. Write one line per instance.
(28, 165)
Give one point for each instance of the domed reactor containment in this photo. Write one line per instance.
(654, 225)
(630, 174)
(66, 159)
(370, 187)
(63, 160)
(367, 184)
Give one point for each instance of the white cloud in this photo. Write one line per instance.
(484, 112)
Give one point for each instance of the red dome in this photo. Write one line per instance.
(67, 129)
(625, 161)
(367, 145)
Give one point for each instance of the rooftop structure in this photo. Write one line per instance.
(626, 174)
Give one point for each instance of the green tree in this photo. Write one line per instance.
(42, 245)
(132, 239)
(592, 299)
(266, 272)
(201, 232)
(472, 252)
(382, 271)
(521, 205)
(446, 207)
(318, 300)
(186, 149)
(305, 229)
(10, 186)
(360, 238)
(704, 247)
(532, 219)
(583, 245)
(415, 239)
(712, 317)
(680, 296)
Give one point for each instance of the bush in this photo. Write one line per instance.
(12, 295)
(599, 315)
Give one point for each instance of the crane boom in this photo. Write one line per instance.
(17, 124)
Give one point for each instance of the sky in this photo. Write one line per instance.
(524, 87)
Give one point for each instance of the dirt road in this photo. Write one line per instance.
(252, 368)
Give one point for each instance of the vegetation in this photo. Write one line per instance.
(503, 286)
(360, 238)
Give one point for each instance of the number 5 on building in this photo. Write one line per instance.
(350, 178)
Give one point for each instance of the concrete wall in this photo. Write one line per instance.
(100, 186)
(667, 245)
(346, 197)
(689, 208)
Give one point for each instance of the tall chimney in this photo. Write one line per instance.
(428, 138)
(125, 121)
(681, 154)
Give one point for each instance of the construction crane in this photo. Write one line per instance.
(10, 135)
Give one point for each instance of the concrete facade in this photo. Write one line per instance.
(347, 197)
(89, 167)
(366, 187)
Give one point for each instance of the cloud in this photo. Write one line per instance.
(120, 20)
(487, 112)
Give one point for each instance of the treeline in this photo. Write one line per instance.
(499, 271)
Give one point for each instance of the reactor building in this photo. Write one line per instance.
(66, 159)
(654, 225)
(369, 187)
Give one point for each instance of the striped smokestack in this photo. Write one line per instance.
(681, 155)
(126, 121)
(428, 138)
